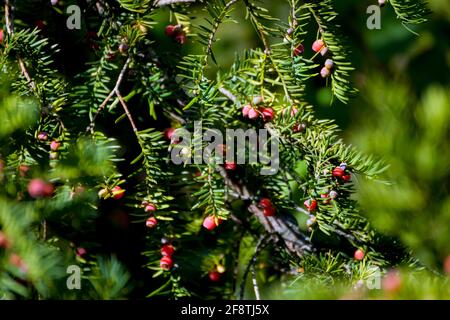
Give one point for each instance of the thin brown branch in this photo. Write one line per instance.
(127, 111)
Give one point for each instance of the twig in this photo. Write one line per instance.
(160, 3)
(255, 283)
(127, 112)
(261, 244)
(110, 95)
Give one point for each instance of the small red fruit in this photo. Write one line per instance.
(170, 30)
(346, 177)
(23, 169)
(38, 188)
(245, 110)
(214, 276)
(80, 251)
(150, 207)
(265, 203)
(180, 38)
(230, 165)
(166, 263)
(318, 45)
(168, 133)
(267, 114)
(1, 35)
(54, 145)
(359, 255)
(299, 127)
(167, 250)
(269, 212)
(118, 192)
(338, 172)
(210, 223)
(310, 204)
(253, 113)
(151, 222)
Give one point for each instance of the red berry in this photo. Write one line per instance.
(17, 261)
(170, 30)
(118, 192)
(338, 172)
(359, 255)
(180, 38)
(267, 113)
(214, 276)
(210, 222)
(168, 133)
(230, 166)
(299, 127)
(269, 211)
(167, 250)
(81, 252)
(253, 113)
(151, 222)
(265, 203)
(346, 177)
(326, 198)
(150, 207)
(23, 169)
(246, 109)
(1, 35)
(318, 45)
(4, 242)
(310, 204)
(38, 188)
(54, 145)
(447, 264)
(166, 263)
(299, 50)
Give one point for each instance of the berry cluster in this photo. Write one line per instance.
(268, 208)
(151, 222)
(341, 173)
(166, 262)
(176, 32)
(215, 274)
(253, 112)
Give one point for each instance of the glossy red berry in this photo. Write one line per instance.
(229, 165)
(38, 188)
(1, 35)
(267, 114)
(151, 222)
(310, 204)
(298, 50)
(118, 192)
(338, 172)
(168, 133)
(318, 45)
(346, 177)
(214, 276)
(210, 222)
(150, 207)
(166, 263)
(265, 203)
(269, 211)
(359, 254)
(167, 250)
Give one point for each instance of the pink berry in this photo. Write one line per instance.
(80, 251)
(38, 188)
(359, 254)
(170, 30)
(118, 192)
(265, 203)
(392, 282)
(1, 35)
(318, 45)
(253, 113)
(54, 145)
(180, 38)
(151, 222)
(168, 133)
(246, 109)
(310, 204)
(166, 263)
(150, 207)
(210, 223)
